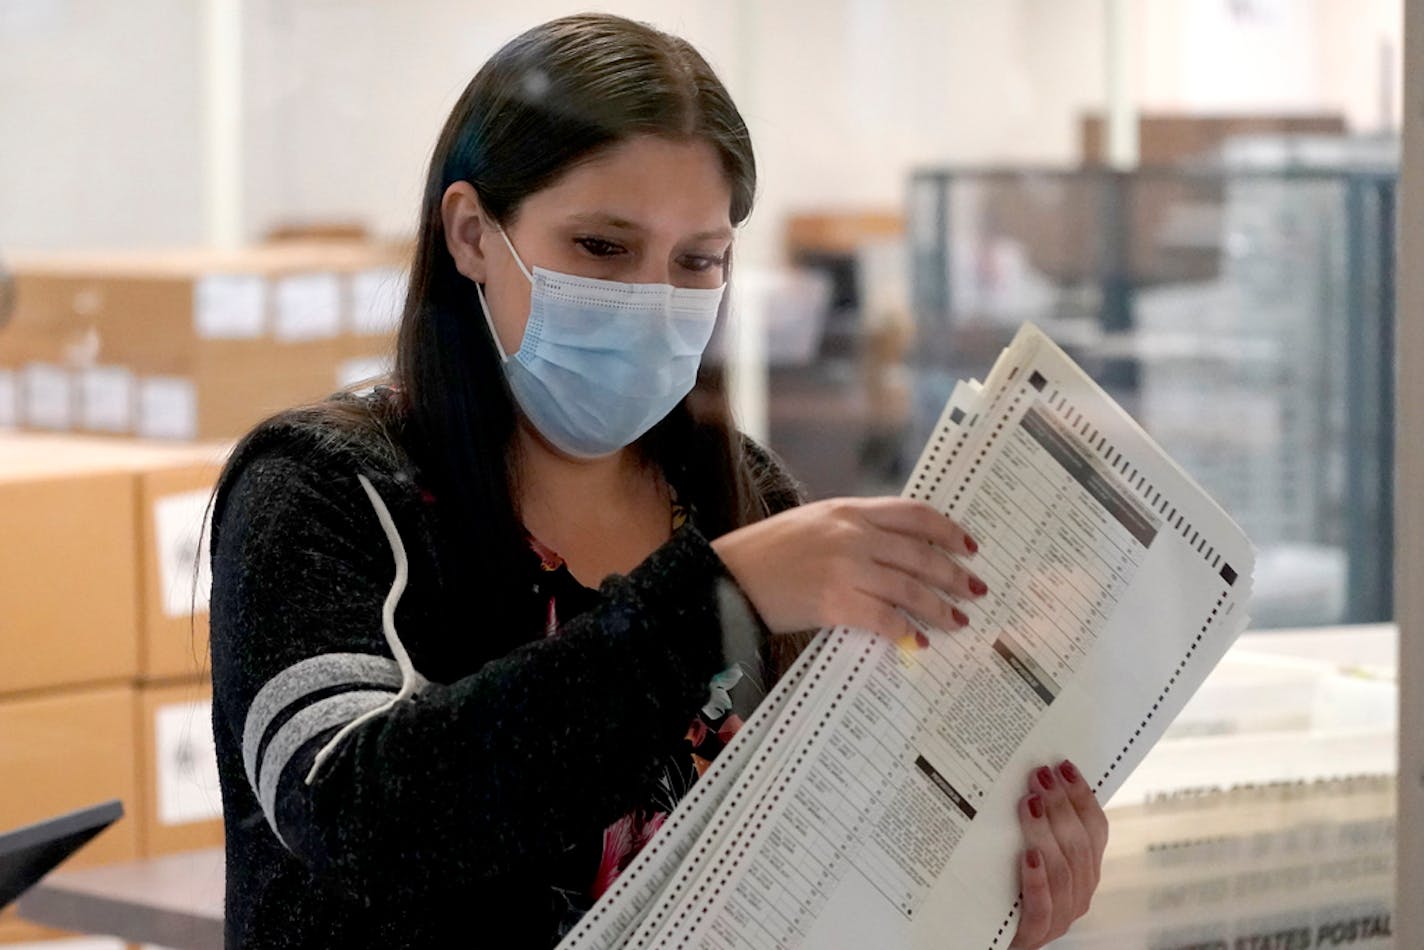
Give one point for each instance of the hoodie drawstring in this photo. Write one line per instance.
(411, 680)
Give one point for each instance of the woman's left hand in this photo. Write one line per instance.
(1065, 834)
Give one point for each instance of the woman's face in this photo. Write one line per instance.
(647, 210)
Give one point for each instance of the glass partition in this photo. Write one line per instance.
(1243, 317)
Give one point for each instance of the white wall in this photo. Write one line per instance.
(99, 102)
(1354, 39)
(842, 97)
(1226, 56)
(98, 123)
(849, 96)
(345, 100)
(1220, 56)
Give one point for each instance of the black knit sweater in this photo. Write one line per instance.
(482, 797)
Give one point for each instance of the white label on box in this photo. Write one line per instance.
(181, 537)
(9, 399)
(167, 408)
(351, 372)
(229, 306)
(377, 299)
(49, 397)
(106, 395)
(308, 307)
(186, 763)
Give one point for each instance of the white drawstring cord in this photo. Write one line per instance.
(411, 680)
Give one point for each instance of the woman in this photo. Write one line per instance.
(478, 742)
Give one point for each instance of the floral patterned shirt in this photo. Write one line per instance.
(731, 695)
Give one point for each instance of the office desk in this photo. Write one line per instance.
(174, 901)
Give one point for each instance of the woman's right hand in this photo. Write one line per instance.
(852, 562)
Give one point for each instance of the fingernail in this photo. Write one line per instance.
(977, 587)
(1045, 777)
(960, 617)
(971, 545)
(1069, 773)
(922, 641)
(1034, 858)
(1035, 806)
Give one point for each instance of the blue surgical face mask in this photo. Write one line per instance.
(601, 361)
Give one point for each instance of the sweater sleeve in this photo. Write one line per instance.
(492, 774)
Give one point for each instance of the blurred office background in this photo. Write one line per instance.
(205, 204)
(932, 174)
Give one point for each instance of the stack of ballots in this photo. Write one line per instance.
(870, 800)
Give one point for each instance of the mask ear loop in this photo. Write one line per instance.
(489, 322)
(484, 305)
(515, 254)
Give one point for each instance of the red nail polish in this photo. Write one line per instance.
(1045, 777)
(977, 587)
(1069, 773)
(960, 617)
(1035, 806)
(922, 641)
(1034, 858)
(971, 545)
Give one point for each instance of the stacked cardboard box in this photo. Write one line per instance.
(103, 642)
(193, 344)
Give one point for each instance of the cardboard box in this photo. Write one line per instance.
(61, 750)
(1165, 139)
(155, 311)
(192, 344)
(174, 507)
(360, 357)
(234, 393)
(65, 749)
(225, 396)
(97, 532)
(838, 233)
(149, 746)
(14, 929)
(68, 596)
(180, 804)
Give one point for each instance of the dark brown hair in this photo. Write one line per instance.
(553, 97)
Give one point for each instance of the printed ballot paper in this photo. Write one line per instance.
(870, 801)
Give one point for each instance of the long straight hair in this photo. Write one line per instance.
(553, 97)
